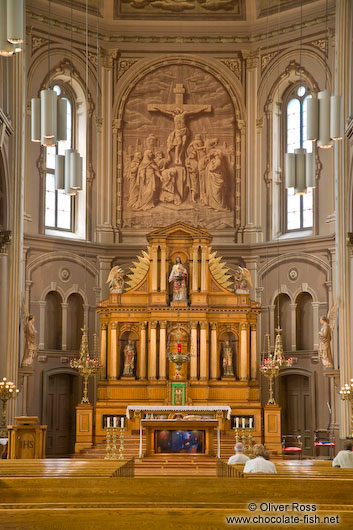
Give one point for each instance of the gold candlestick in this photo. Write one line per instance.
(8, 390)
(121, 446)
(85, 364)
(346, 393)
(110, 453)
(273, 362)
(107, 441)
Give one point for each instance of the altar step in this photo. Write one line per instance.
(132, 445)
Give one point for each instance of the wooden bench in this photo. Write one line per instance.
(66, 467)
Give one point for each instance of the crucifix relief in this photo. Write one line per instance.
(178, 111)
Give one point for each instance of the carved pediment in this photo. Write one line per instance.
(179, 230)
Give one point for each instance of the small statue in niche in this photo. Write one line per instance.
(116, 280)
(30, 346)
(129, 358)
(325, 334)
(227, 359)
(179, 278)
(242, 281)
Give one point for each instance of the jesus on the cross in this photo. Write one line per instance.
(178, 111)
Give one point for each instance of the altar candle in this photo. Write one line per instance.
(179, 348)
(237, 422)
(122, 422)
(243, 423)
(114, 421)
(251, 422)
(108, 422)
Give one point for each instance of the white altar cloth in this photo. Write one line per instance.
(176, 408)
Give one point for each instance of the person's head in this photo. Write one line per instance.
(348, 445)
(159, 154)
(324, 319)
(138, 155)
(178, 259)
(267, 455)
(31, 318)
(227, 342)
(239, 447)
(259, 450)
(148, 154)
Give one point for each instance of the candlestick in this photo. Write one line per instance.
(243, 423)
(237, 422)
(122, 422)
(250, 422)
(7, 391)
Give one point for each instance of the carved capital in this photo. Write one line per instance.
(5, 240)
(213, 326)
(108, 57)
(193, 325)
(251, 58)
(114, 325)
(254, 326)
(143, 325)
(163, 324)
(244, 325)
(154, 324)
(104, 326)
(203, 325)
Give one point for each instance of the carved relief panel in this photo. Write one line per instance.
(178, 150)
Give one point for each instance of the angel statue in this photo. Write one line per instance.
(116, 280)
(325, 333)
(242, 280)
(30, 345)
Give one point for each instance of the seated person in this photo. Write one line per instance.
(239, 457)
(344, 458)
(259, 464)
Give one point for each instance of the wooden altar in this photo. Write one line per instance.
(142, 320)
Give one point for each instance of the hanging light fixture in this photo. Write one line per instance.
(49, 114)
(300, 165)
(324, 114)
(15, 21)
(6, 49)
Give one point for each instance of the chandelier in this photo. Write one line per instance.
(273, 362)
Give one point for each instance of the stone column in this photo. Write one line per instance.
(4, 288)
(195, 269)
(103, 350)
(193, 360)
(203, 269)
(154, 268)
(64, 306)
(244, 344)
(112, 359)
(142, 356)
(315, 306)
(293, 326)
(203, 351)
(253, 358)
(152, 361)
(42, 305)
(213, 364)
(162, 350)
(163, 268)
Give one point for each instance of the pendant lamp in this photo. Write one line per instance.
(6, 49)
(15, 21)
(300, 170)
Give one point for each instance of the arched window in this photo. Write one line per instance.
(59, 206)
(299, 208)
(74, 321)
(53, 321)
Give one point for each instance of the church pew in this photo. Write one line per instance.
(66, 467)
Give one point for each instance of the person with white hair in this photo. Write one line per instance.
(259, 464)
(239, 457)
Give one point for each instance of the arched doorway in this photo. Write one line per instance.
(296, 403)
(61, 395)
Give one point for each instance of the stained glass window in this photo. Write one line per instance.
(58, 205)
(299, 211)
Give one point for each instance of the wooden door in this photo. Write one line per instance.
(60, 415)
(296, 409)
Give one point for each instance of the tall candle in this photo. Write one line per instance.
(243, 423)
(251, 422)
(114, 421)
(108, 422)
(237, 422)
(122, 422)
